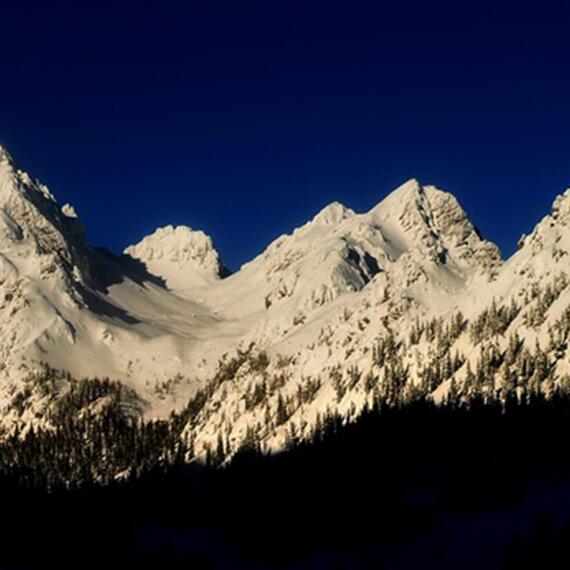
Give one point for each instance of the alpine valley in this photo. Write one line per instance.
(164, 352)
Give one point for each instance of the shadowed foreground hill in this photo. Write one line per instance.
(382, 492)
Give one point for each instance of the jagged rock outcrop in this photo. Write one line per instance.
(183, 257)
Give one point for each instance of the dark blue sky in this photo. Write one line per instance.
(245, 118)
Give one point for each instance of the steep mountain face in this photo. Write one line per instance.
(44, 262)
(183, 257)
(347, 310)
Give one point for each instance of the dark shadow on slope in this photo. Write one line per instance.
(367, 266)
(108, 269)
(224, 271)
(102, 307)
(371, 264)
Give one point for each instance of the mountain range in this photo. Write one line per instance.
(351, 307)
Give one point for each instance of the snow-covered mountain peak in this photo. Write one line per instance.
(7, 172)
(549, 239)
(408, 196)
(411, 190)
(333, 214)
(4, 156)
(405, 208)
(561, 208)
(34, 228)
(15, 183)
(412, 204)
(417, 241)
(432, 223)
(7, 163)
(183, 257)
